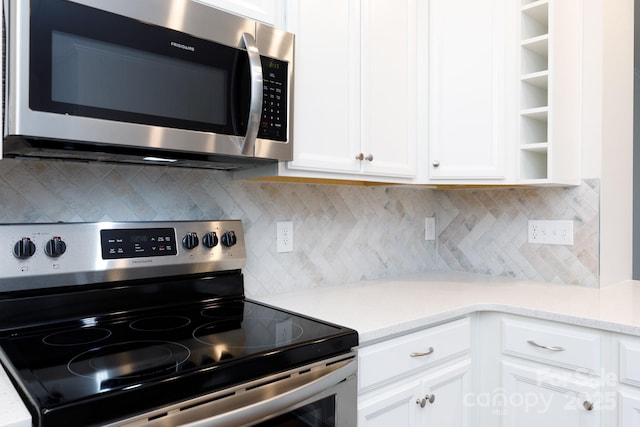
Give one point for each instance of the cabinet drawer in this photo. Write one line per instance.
(629, 361)
(402, 355)
(556, 345)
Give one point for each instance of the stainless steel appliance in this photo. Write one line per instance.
(147, 324)
(147, 81)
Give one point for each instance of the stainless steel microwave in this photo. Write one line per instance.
(157, 81)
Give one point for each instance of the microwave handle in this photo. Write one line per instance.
(255, 106)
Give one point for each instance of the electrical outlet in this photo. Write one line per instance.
(284, 236)
(430, 228)
(551, 232)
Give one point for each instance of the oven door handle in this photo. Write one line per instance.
(257, 87)
(262, 406)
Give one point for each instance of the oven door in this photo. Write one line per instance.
(322, 395)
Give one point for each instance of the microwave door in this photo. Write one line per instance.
(143, 86)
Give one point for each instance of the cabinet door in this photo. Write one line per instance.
(267, 11)
(445, 391)
(539, 396)
(389, 97)
(466, 57)
(326, 96)
(629, 409)
(395, 407)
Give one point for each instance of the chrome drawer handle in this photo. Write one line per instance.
(546, 347)
(419, 354)
(588, 405)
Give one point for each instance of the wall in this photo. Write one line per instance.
(607, 133)
(342, 233)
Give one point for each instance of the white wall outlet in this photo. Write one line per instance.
(430, 228)
(551, 232)
(284, 236)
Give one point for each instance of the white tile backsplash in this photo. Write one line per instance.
(342, 233)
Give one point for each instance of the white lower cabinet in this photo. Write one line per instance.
(536, 395)
(435, 398)
(550, 374)
(503, 371)
(626, 369)
(420, 379)
(628, 408)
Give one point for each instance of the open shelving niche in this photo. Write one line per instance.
(534, 90)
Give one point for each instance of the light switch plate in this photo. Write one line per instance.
(430, 228)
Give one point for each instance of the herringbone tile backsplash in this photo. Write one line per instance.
(341, 233)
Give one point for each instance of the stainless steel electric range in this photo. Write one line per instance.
(146, 323)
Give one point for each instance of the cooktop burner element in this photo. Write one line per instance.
(170, 327)
(77, 336)
(114, 363)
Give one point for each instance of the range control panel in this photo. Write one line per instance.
(138, 242)
(67, 254)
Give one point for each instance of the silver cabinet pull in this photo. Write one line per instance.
(428, 398)
(436, 163)
(588, 405)
(362, 157)
(546, 347)
(420, 354)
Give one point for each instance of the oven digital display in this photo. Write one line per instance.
(138, 243)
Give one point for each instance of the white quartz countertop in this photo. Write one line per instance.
(384, 308)
(13, 413)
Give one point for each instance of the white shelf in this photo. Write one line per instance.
(538, 79)
(538, 44)
(539, 113)
(538, 147)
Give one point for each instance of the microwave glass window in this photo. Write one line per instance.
(95, 73)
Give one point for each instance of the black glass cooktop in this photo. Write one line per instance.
(122, 363)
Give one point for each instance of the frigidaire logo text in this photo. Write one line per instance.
(182, 46)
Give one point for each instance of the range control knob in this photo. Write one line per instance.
(55, 247)
(24, 248)
(210, 239)
(190, 240)
(229, 239)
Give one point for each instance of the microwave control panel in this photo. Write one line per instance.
(273, 123)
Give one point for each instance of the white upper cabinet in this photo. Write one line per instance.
(463, 49)
(442, 92)
(267, 11)
(326, 93)
(355, 90)
(389, 85)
